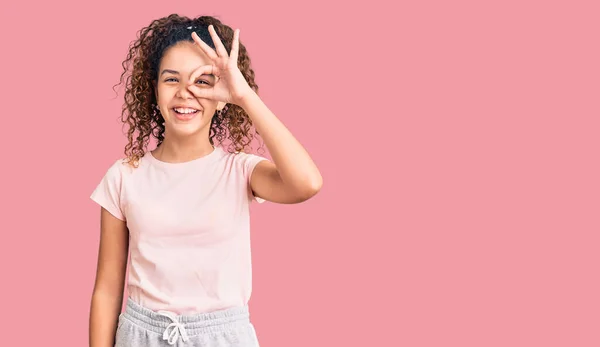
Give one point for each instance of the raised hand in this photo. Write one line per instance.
(230, 86)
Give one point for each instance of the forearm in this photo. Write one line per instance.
(104, 312)
(294, 164)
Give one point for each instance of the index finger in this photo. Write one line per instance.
(203, 70)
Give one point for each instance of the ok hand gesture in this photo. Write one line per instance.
(230, 86)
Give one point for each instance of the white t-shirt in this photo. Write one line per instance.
(189, 229)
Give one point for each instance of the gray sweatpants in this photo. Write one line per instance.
(139, 326)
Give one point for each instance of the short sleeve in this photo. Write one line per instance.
(108, 193)
(249, 163)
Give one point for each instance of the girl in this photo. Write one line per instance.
(182, 209)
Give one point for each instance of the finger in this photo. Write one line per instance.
(221, 51)
(206, 48)
(204, 93)
(235, 46)
(204, 70)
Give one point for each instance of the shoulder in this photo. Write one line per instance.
(243, 159)
(121, 168)
(242, 164)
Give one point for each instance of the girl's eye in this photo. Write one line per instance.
(175, 80)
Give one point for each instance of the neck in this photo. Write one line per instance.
(181, 149)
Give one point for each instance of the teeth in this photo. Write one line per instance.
(185, 110)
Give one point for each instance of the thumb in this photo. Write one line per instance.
(205, 93)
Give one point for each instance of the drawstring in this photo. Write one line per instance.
(178, 329)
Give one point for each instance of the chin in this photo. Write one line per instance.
(186, 129)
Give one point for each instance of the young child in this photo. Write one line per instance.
(182, 209)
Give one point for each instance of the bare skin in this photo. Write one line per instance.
(292, 177)
(107, 297)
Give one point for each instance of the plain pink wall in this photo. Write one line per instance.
(458, 142)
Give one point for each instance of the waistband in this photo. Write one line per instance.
(193, 324)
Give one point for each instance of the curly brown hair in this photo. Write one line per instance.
(141, 67)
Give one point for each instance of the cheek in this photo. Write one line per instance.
(210, 106)
(164, 95)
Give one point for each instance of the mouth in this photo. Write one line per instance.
(185, 113)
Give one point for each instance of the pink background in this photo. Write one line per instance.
(458, 142)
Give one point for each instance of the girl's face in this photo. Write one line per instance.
(175, 100)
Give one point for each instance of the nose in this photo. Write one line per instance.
(184, 93)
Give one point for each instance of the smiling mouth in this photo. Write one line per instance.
(185, 111)
(185, 114)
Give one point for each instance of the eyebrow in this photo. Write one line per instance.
(169, 71)
(177, 73)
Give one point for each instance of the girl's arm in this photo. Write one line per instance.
(107, 298)
(292, 177)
